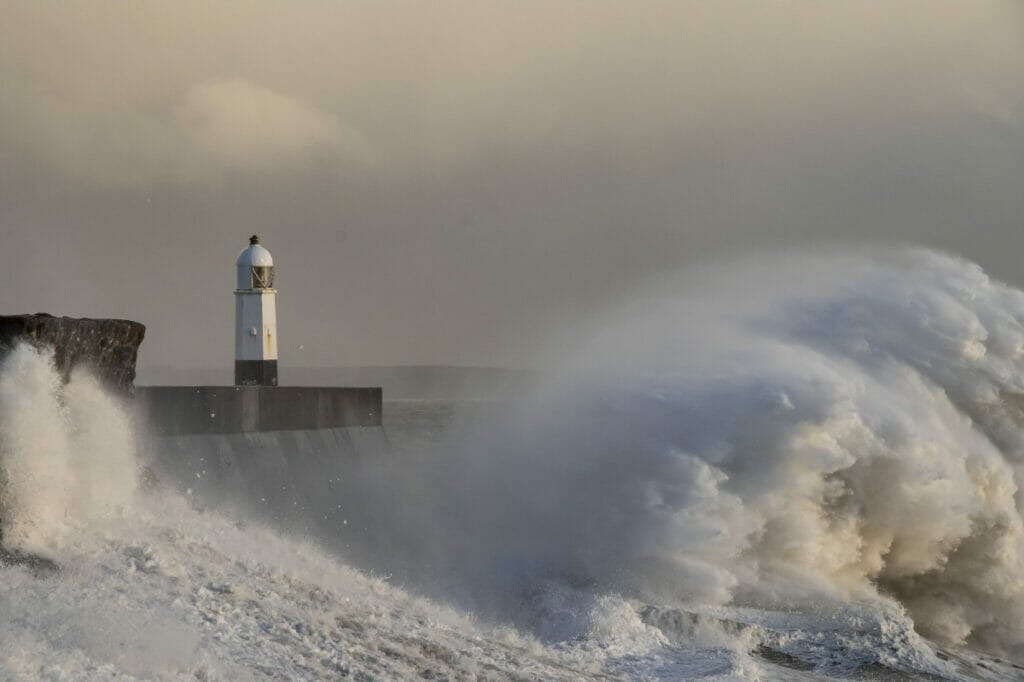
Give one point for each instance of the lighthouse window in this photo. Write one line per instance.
(262, 277)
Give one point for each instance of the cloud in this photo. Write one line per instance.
(1000, 108)
(209, 132)
(237, 127)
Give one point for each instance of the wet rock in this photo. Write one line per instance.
(108, 347)
(38, 565)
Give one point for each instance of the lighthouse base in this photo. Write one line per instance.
(255, 372)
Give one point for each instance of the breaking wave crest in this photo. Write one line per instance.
(788, 433)
(67, 455)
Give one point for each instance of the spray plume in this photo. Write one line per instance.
(789, 432)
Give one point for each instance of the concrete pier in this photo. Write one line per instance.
(172, 410)
(283, 453)
(282, 474)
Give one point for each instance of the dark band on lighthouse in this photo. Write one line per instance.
(255, 372)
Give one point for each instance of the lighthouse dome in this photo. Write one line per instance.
(254, 255)
(255, 266)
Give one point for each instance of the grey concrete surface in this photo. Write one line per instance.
(169, 410)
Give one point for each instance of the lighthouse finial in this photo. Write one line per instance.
(254, 239)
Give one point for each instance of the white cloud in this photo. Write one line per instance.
(206, 133)
(237, 127)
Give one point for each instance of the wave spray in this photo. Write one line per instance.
(789, 433)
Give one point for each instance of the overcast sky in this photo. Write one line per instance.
(451, 182)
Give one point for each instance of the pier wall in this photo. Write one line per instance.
(174, 410)
(295, 477)
(283, 453)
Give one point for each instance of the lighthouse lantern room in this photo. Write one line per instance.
(255, 318)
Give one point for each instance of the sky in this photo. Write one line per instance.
(458, 182)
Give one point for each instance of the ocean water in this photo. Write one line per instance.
(795, 467)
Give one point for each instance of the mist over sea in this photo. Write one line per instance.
(798, 466)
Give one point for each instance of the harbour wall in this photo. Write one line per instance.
(297, 478)
(171, 410)
(279, 454)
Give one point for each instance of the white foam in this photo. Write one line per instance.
(782, 433)
(66, 456)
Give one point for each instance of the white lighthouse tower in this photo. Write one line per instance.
(255, 318)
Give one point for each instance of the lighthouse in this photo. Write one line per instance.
(255, 318)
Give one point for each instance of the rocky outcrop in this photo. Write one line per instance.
(39, 566)
(108, 348)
